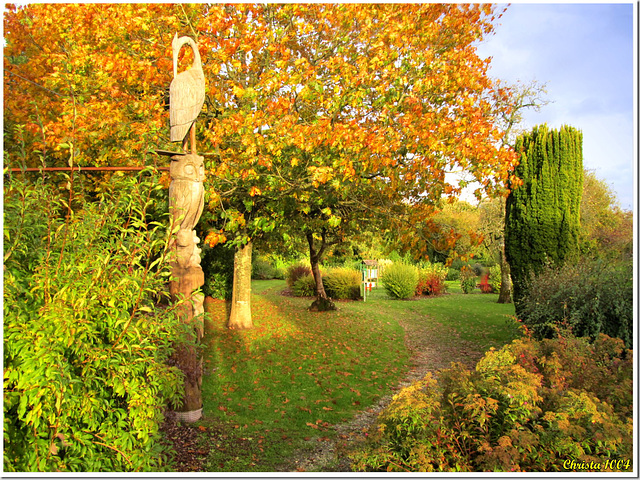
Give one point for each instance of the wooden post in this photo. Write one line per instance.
(186, 201)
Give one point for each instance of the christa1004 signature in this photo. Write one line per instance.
(606, 465)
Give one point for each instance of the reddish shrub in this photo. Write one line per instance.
(430, 285)
(296, 272)
(485, 286)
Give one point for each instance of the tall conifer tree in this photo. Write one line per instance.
(543, 215)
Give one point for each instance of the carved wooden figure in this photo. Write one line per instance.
(186, 190)
(186, 95)
(186, 201)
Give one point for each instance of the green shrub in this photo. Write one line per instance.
(217, 265)
(280, 273)
(589, 297)
(85, 344)
(304, 286)
(279, 267)
(400, 280)
(495, 278)
(431, 278)
(527, 407)
(342, 283)
(479, 269)
(453, 274)
(468, 280)
(261, 269)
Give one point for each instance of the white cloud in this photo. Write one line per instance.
(584, 53)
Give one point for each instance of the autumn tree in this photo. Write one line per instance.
(86, 83)
(607, 229)
(315, 116)
(451, 231)
(315, 108)
(543, 215)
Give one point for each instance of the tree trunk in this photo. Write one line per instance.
(240, 317)
(505, 270)
(322, 302)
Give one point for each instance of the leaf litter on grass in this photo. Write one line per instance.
(306, 384)
(296, 372)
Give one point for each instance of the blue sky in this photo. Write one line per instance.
(584, 53)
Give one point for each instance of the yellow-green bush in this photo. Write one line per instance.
(342, 283)
(495, 278)
(530, 406)
(86, 346)
(400, 280)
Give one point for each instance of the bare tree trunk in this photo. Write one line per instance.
(322, 302)
(505, 270)
(240, 317)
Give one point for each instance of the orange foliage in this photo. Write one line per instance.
(318, 103)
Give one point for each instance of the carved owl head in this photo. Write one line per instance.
(187, 167)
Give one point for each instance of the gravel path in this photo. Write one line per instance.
(430, 353)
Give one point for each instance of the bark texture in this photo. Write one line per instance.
(505, 271)
(240, 317)
(322, 303)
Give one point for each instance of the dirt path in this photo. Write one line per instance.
(433, 347)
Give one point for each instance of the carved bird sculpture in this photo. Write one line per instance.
(186, 191)
(186, 95)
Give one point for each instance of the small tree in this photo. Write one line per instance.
(607, 229)
(543, 215)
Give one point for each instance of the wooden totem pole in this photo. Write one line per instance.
(186, 200)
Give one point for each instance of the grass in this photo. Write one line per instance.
(294, 375)
(278, 388)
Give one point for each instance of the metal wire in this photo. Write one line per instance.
(84, 169)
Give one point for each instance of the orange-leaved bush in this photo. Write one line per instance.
(527, 407)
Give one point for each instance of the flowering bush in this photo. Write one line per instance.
(431, 278)
(527, 407)
(485, 286)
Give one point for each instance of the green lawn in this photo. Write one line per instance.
(282, 385)
(475, 317)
